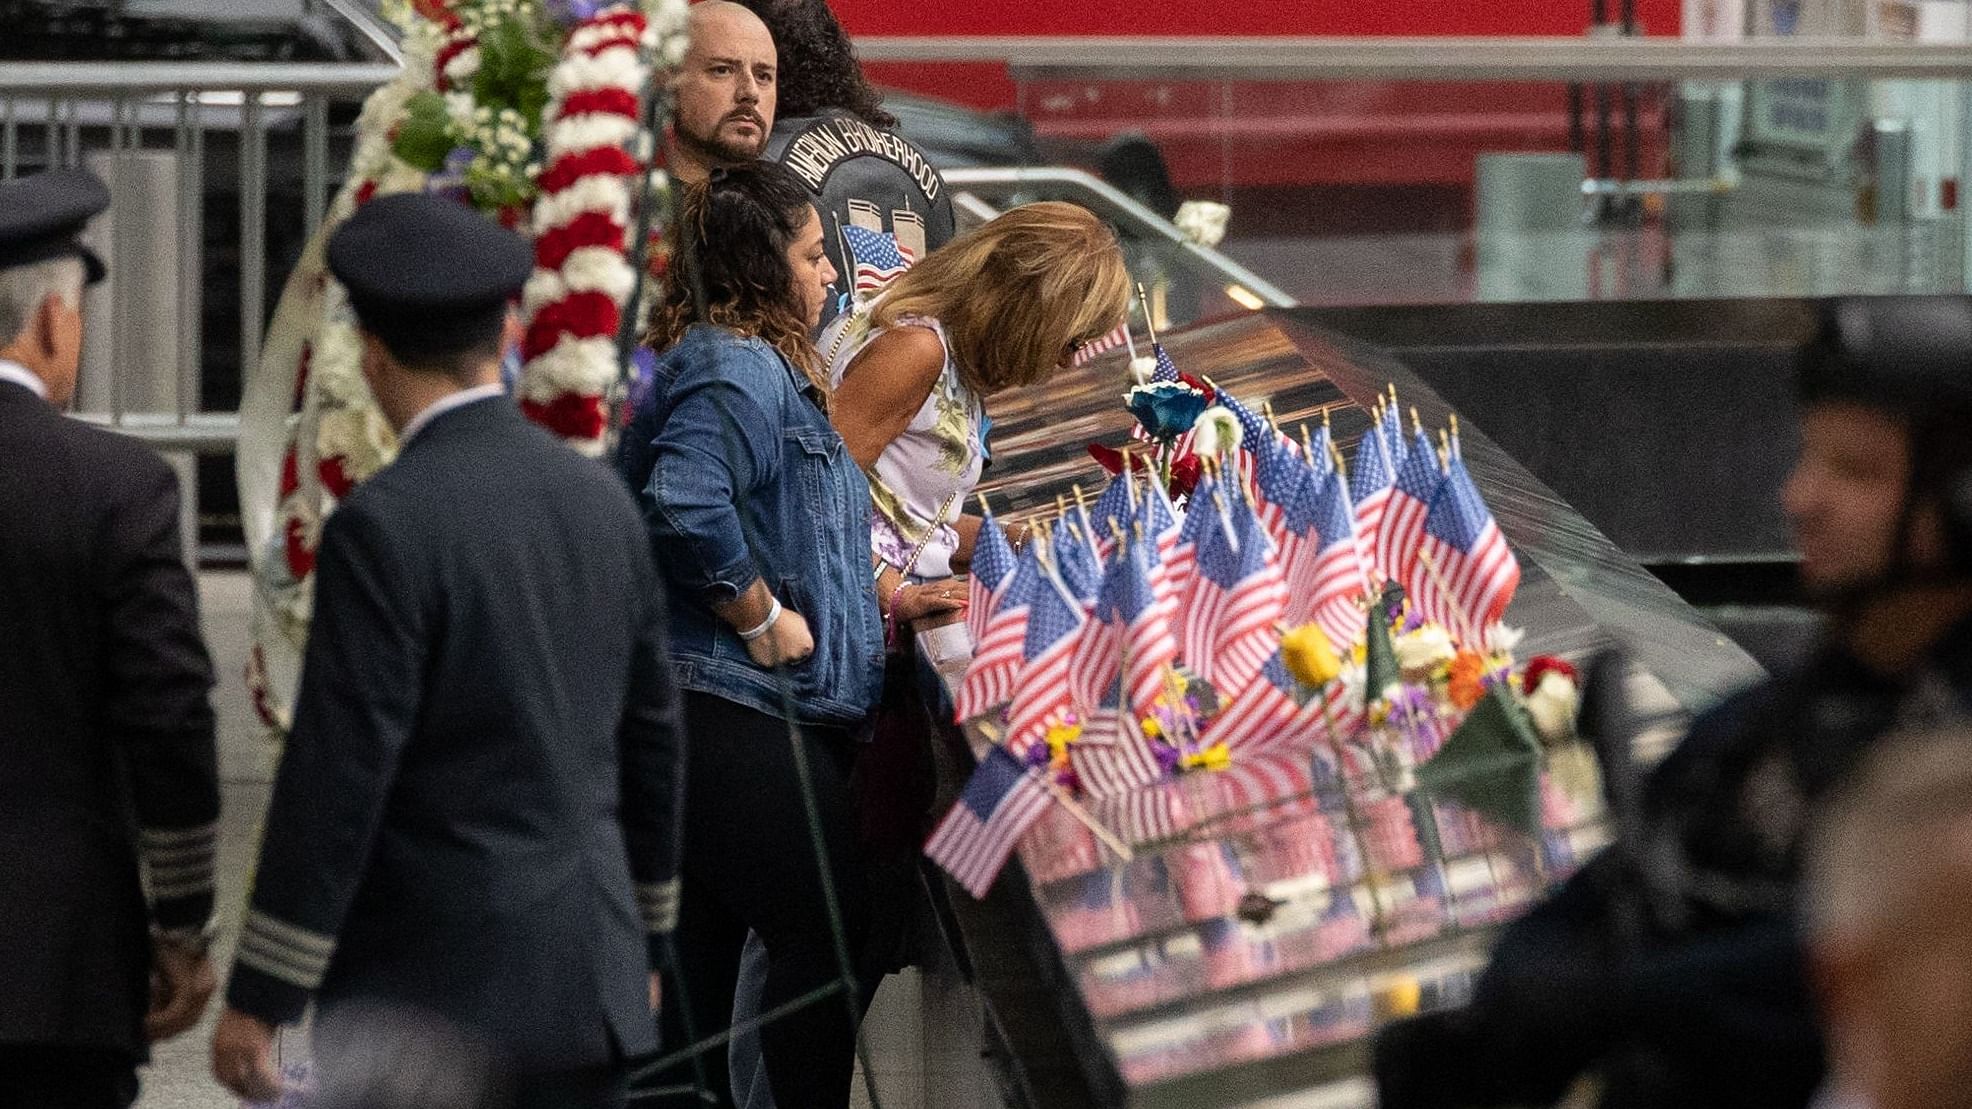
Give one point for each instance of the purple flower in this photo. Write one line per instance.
(1038, 755)
(1167, 757)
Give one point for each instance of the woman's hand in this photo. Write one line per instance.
(932, 598)
(787, 640)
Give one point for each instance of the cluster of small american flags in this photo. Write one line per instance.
(1133, 639)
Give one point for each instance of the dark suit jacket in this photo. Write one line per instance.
(106, 731)
(477, 812)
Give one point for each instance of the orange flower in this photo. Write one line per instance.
(1466, 683)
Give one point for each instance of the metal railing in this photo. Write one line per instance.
(972, 188)
(1586, 59)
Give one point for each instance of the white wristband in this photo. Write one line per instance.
(773, 614)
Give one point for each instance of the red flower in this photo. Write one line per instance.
(611, 160)
(365, 193)
(334, 478)
(588, 229)
(510, 216)
(608, 101)
(1540, 666)
(301, 560)
(1198, 383)
(583, 315)
(290, 474)
(1185, 471)
(453, 48)
(571, 415)
(434, 10)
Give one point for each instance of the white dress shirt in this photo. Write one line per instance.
(443, 405)
(19, 375)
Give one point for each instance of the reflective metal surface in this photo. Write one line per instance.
(1268, 918)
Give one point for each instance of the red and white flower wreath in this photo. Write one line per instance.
(582, 281)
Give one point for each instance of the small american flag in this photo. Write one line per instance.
(996, 655)
(1114, 510)
(1334, 576)
(1392, 426)
(1182, 561)
(999, 803)
(1265, 716)
(1397, 540)
(1465, 544)
(992, 564)
(1284, 485)
(1237, 595)
(1042, 694)
(1130, 635)
(1076, 557)
(1110, 769)
(1371, 478)
(1098, 348)
(1145, 815)
(877, 257)
(1162, 526)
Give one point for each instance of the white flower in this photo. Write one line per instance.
(337, 368)
(1216, 432)
(598, 269)
(585, 366)
(460, 109)
(604, 194)
(463, 65)
(1203, 221)
(1552, 704)
(1425, 648)
(1141, 367)
(1501, 640)
(615, 68)
(360, 437)
(589, 131)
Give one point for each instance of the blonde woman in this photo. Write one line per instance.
(1000, 307)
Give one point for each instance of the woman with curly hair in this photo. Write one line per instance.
(759, 518)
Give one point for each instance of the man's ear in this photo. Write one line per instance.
(46, 329)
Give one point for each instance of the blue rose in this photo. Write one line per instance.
(1166, 409)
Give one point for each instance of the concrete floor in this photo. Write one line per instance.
(923, 1031)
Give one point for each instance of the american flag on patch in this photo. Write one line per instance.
(1465, 544)
(1417, 484)
(992, 564)
(1042, 694)
(999, 803)
(1237, 596)
(1130, 635)
(877, 258)
(1265, 716)
(1333, 575)
(1371, 477)
(996, 654)
(1096, 349)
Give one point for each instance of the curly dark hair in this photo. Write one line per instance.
(730, 239)
(818, 69)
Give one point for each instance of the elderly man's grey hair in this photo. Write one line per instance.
(1907, 810)
(23, 288)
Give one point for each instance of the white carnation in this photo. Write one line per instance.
(1425, 648)
(615, 68)
(589, 131)
(585, 366)
(1216, 432)
(598, 193)
(1141, 368)
(1502, 640)
(463, 65)
(598, 269)
(543, 288)
(1553, 704)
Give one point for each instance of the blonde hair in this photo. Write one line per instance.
(1013, 294)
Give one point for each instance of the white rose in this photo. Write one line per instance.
(1141, 368)
(1216, 432)
(1203, 221)
(1425, 648)
(1552, 704)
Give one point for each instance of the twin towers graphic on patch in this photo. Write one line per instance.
(878, 256)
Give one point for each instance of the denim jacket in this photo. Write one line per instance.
(741, 476)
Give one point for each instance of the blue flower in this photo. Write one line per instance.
(1166, 409)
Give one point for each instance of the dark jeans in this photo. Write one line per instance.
(36, 1076)
(749, 863)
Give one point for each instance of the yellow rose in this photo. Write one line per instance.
(1309, 656)
(1216, 757)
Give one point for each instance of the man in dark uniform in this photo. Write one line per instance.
(1669, 967)
(834, 133)
(106, 731)
(476, 818)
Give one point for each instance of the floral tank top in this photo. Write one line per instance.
(920, 482)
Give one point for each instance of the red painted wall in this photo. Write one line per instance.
(1253, 17)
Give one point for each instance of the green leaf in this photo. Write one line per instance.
(424, 138)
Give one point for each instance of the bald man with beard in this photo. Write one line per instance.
(725, 91)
